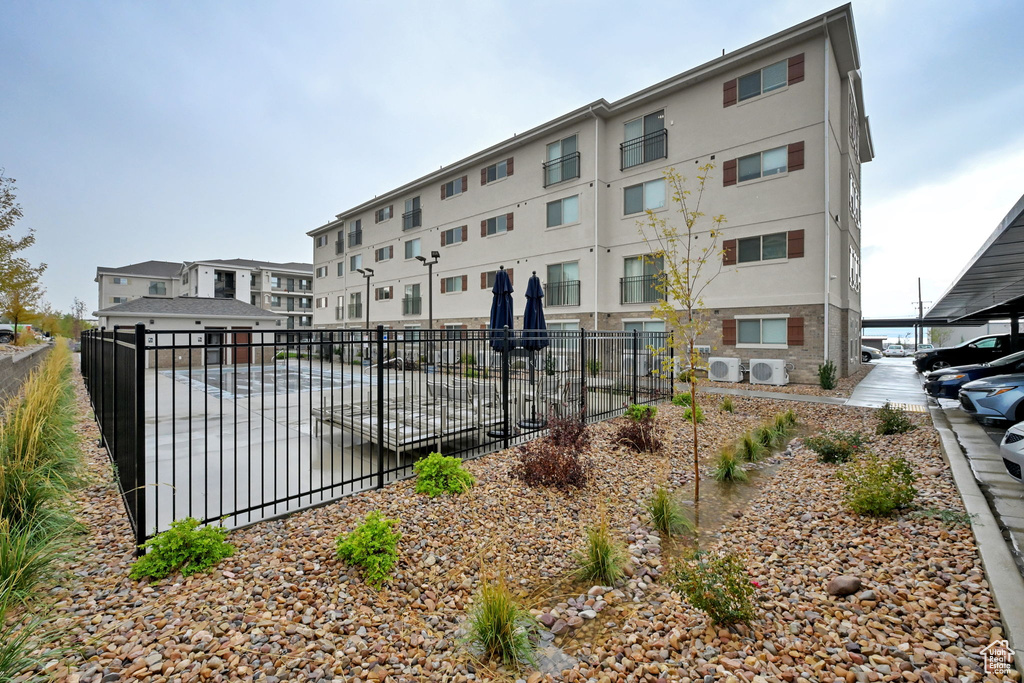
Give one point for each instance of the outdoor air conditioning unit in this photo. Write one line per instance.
(724, 370)
(768, 372)
(449, 356)
(640, 364)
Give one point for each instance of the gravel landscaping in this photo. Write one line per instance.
(283, 608)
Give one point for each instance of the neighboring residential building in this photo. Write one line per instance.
(148, 278)
(783, 121)
(285, 288)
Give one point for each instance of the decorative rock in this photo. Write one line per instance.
(560, 627)
(588, 614)
(844, 585)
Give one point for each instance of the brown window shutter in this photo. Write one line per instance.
(483, 176)
(376, 294)
(508, 222)
(729, 255)
(483, 228)
(444, 241)
(729, 93)
(795, 244)
(796, 156)
(511, 275)
(510, 165)
(391, 211)
(483, 326)
(465, 283)
(465, 183)
(796, 68)
(444, 287)
(795, 331)
(728, 173)
(443, 187)
(465, 233)
(729, 333)
(483, 280)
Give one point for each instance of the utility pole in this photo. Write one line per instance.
(920, 316)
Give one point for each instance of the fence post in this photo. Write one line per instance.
(380, 405)
(671, 367)
(583, 375)
(139, 445)
(506, 348)
(636, 362)
(98, 405)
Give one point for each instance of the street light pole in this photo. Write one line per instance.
(367, 273)
(435, 255)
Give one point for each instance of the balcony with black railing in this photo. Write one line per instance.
(640, 150)
(339, 312)
(639, 289)
(355, 311)
(339, 247)
(565, 293)
(355, 238)
(412, 305)
(559, 170)
(412, 219)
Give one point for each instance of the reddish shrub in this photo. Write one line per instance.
(545, 463)
(568, 432)
(640, 435)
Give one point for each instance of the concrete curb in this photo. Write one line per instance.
(1004, 578)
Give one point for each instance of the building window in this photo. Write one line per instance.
(184, 278)
(158, 288)
(487, 277)
(764, 80)
(339, 242)
(563, 161)
(305, 320)
(355, 305)
(321, 240)
(413, 217)
(412, 248)
(762, 247)
(384, 253)
(118, 299)
(640, 282)
(854, 126)
(275, 301)
(384, 214)
(275, 282)
(321, 271)
(355, 233)
(124, 280)
(648, 196)
(355, 262)
(454, 187)
(854, 200)
(454, 235)
(564, 211)
(854, 270)
(645, 140)
(762, 164)
(306, 302)
(383, 293)
(321, 302)
(305, 285)
(454, 284)
(497, 225)
(761, 331)
(563, 284)
(496, 171)
(341, 268)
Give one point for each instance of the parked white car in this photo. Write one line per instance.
(1012, 450)
(6, 333)
(894, 351)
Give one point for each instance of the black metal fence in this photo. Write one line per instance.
(242, 425)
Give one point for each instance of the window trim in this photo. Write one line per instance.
(762, 260)
(445, 241)
(379, 215)
(321, 271)
(761, 91)
(761, 316)
(761, 176)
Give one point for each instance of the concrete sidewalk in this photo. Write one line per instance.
(892, 380)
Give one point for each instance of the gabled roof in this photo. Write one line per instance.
(189, 306)
(165, 269)
(257, 265)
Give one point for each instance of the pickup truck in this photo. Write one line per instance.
(6, 333)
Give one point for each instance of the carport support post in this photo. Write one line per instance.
(380, 403)
(139, 445)
(1014, 331)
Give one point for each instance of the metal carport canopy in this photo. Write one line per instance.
(992, 284)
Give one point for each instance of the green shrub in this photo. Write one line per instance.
(835, 446)
(949, 517)
(373, 545)
(668, 515)
(500, 627)
(473, 373)
(682, 399)
(717, 585)
(726, 405)
(750, 448)
(728, 467)
(638, 412)
(827, 375)
(688, 414)
(467, 359)
(878, 487)
(437, 474)
(593, 367)
(604, 558)
(892, 420)
(184, 547)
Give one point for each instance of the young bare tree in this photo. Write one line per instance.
(20, 290)
(78, 318)
(687, 248)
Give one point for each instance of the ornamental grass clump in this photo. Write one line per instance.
(892, 420)
(184, 547)
(726, 406)
(718, 585)
(667, 514)
(835, 445)
(22, 635)
(437, 474)
(604, 558)
(500, 627)
(750, 448)
(373, 545)
(878, 487)
(728, 467)
(638, 431)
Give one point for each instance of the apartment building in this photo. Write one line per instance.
(781, 119)
(284, 288)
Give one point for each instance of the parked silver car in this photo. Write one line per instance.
(868, 354)
(6, 333)
(1000, 397)
(1012, 450)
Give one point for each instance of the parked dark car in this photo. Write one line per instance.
(946, 383)
(981, 350)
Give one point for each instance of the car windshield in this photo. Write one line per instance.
(1008, 360)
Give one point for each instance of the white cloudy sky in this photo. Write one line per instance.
(218, 130)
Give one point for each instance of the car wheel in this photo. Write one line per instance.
(865, 358)
(938, 365)
(6, 338)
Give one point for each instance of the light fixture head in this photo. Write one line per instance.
(370, 271)
(421, 259)
(360, 271)
(435, 254)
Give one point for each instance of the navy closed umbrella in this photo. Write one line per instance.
(501, 309)
(535, 336)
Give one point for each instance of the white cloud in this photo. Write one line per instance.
(933, 230)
